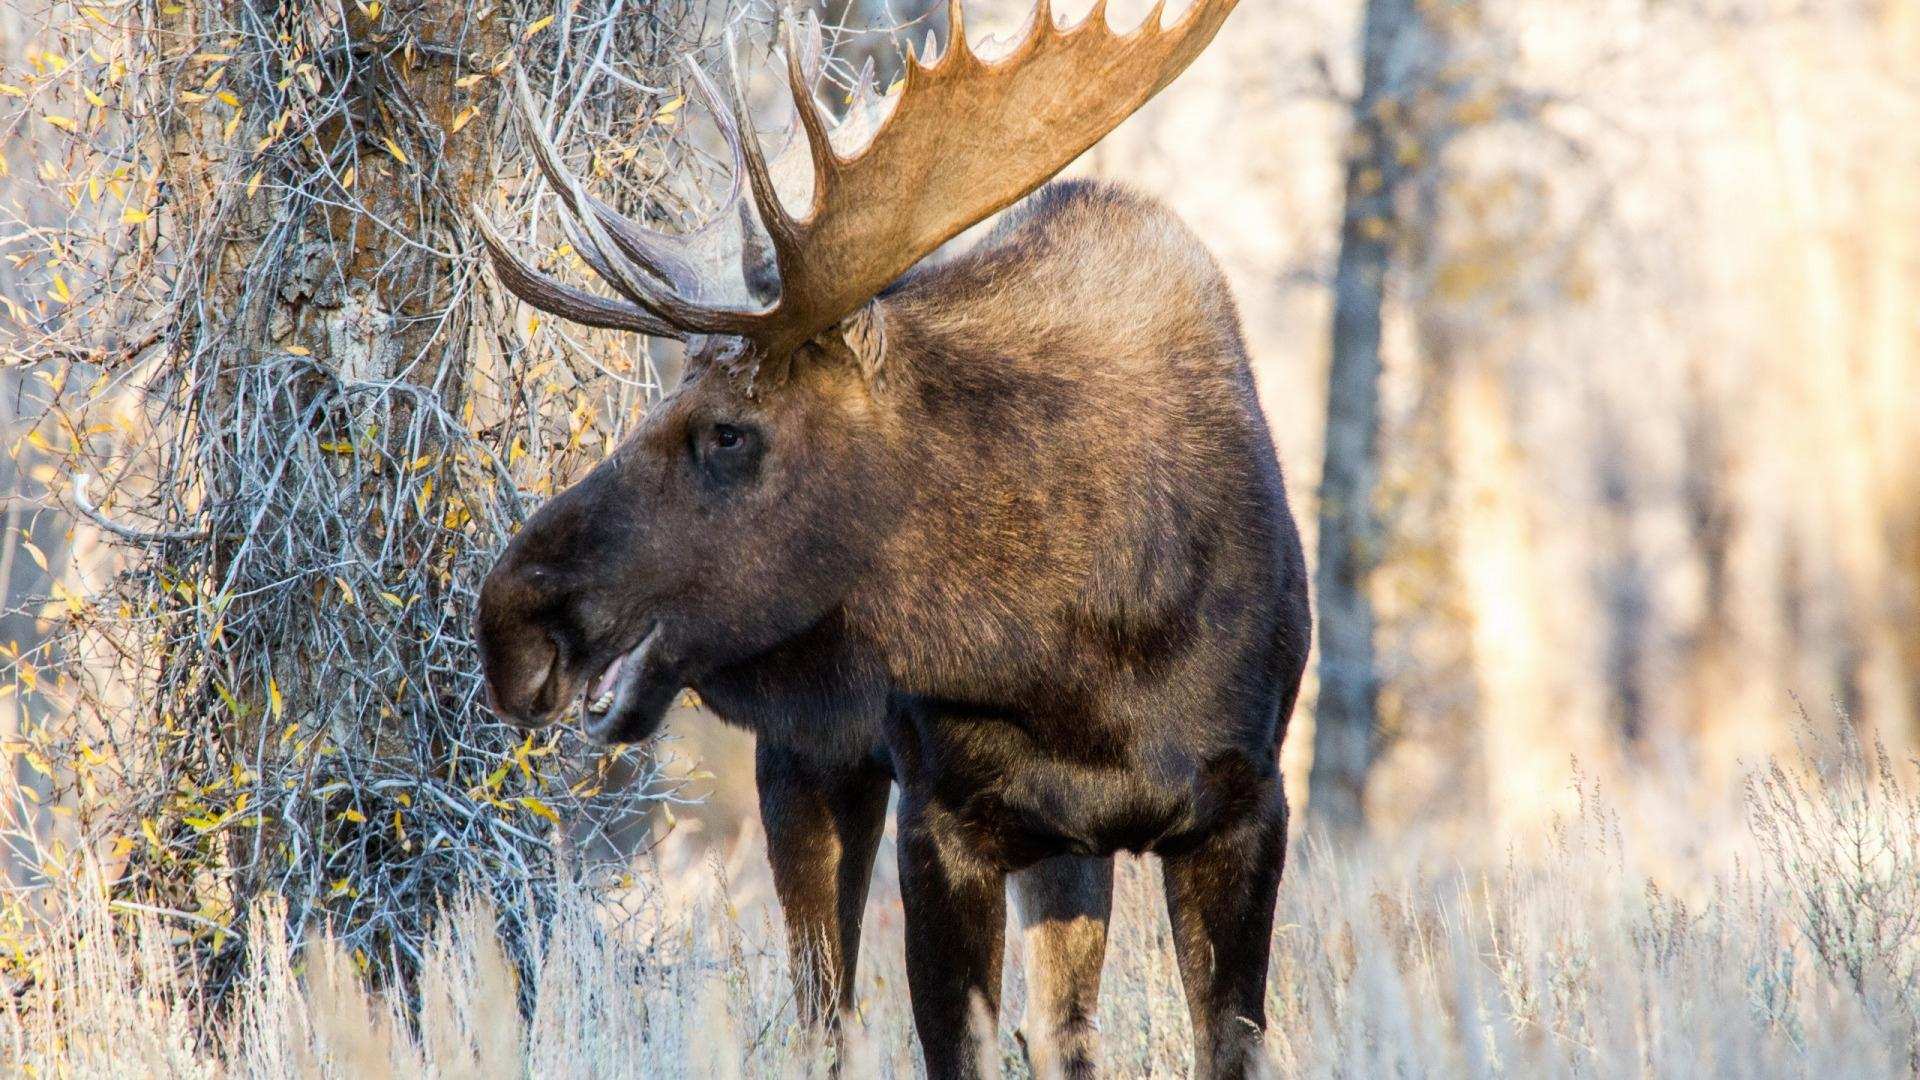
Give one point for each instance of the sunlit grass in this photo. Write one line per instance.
(1786, 950)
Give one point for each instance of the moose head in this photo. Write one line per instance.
(763, 492)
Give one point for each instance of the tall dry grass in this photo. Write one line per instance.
(1782, 946)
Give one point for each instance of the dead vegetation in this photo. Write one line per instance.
(1598, 949)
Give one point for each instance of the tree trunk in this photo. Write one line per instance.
(1346, 719)
(338, 422)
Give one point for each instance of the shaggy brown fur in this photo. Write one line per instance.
(1014, 537)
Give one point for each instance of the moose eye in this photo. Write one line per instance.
(727, 453)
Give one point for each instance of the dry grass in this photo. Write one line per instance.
(1786, 950)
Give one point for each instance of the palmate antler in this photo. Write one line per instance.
(966, 138)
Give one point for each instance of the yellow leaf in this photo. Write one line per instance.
(233, 704)
(227, 98)
(11, 90)
(253, 183)
(60, 292)
(73, 601)
(133, 216)
(62, 123)
(354, 816)
(536, 26)
(33, 550)
(394, 149)
(274, 701)
(299, 350)
(466, 115)
(672, 107)
(540, 808)
(462, 82)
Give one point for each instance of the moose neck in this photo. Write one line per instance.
(986, 533)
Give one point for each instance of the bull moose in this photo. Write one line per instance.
(1007, 531)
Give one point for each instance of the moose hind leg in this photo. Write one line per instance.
(1220, 901)
(956, 910)
(823, 825)
(1062, 905)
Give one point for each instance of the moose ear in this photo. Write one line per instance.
(862, 337)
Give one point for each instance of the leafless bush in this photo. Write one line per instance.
(249, 269)
(1841, 847)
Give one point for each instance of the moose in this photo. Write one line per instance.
(1006, 530)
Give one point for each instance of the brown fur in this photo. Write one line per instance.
(1013, 536)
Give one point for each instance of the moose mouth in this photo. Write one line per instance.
(628, 700)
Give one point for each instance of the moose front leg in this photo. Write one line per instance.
(823, 825)
(1220, 900)
(956, 912)
(1062, 905)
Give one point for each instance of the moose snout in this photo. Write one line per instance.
(523, 681)
(520, 661)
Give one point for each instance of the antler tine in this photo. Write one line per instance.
(662, 300)
(632, 239)
(729, 133)
(556, 297)
(661, 254)
(956, 28)
(773, 214)
(811, 122)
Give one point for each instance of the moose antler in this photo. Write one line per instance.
(967, 137)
